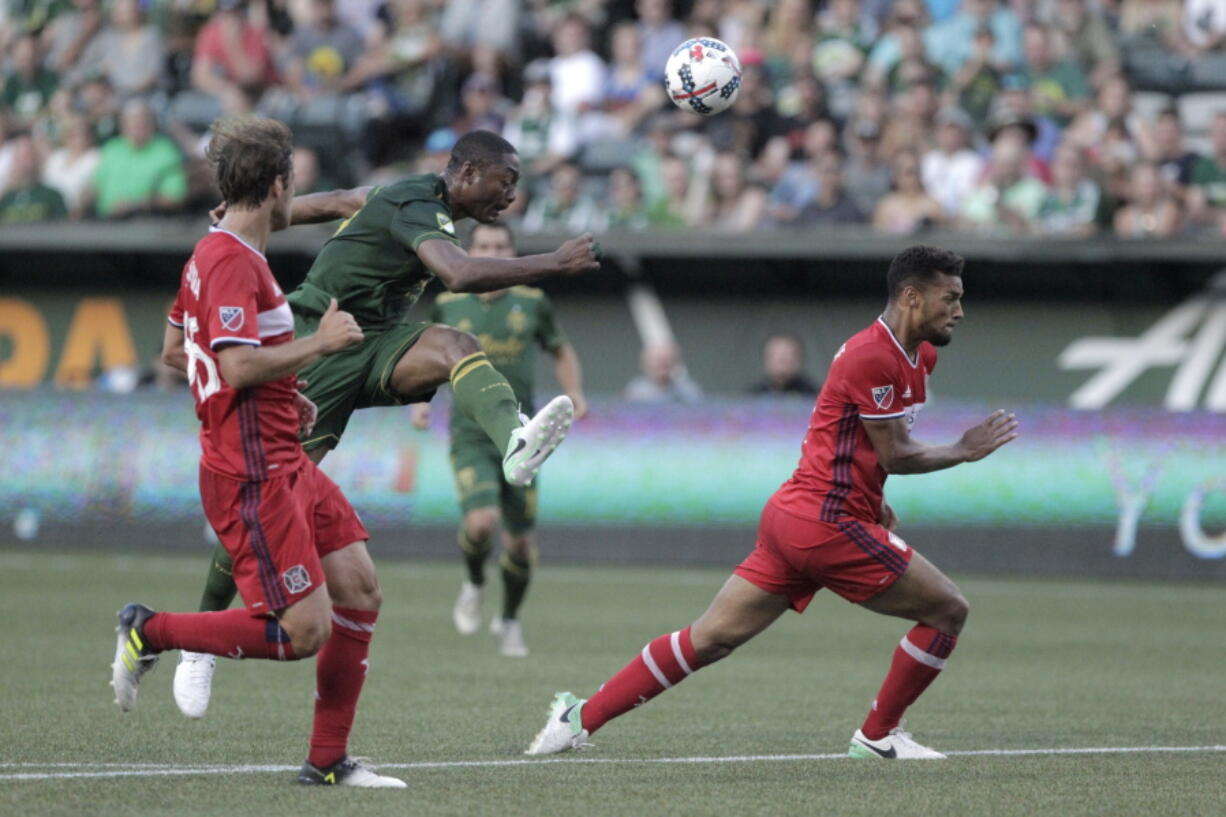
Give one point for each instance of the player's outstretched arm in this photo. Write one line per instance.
(899, 453)
(461, 272)
(244, 366)
(320, 208)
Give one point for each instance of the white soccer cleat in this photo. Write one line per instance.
(564, 729)
(348, 771)
(511, 637)
(898, 745)
(194, 682)
(466, 614)
(533, 442)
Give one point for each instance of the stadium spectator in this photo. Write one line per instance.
(733, 204)
(1014, 109)
(1007, 200)
(577, 75)
(632, 93)
(844, 37)
(544, 136)
(663, 377)
(1171, 154)
(951, 170)
(27, 199)
(783, 368)
(800, 183)
(1207, 196)
(625, 210)
(887, 50)
(1204, 27)
(467, 24)
(324, 54)
(69, 34)
(96, 99)
(306, 171)
(28, 85)
(866, 174)
(753, 120)
(1085, 37)
(659, 33)
(832, 206)
(1071, 207)
(564, 207)
(129, 52)
(978, 80)
(406, 56)
(1059, 88)
(233, 59)
(913, 65)
(912, 122)
(481, 105)
(141, 171)
(680, 204)
(950, 43)
(907, 209)
(790, 25)
(1151, 211)
(70, 168)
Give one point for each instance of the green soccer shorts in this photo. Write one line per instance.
(477, 465)
(355, 378)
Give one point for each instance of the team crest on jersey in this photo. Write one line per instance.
(231, 317)
(883, 396)
(517, 321)
(445, 224)
(296, 579)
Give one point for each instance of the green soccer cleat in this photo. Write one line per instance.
(133, 657)
(348, 771)
(533, 442)
(897, 745)
(564, 729)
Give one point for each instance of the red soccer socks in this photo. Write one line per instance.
(667, 661)
(340, 671)
(232, 633)
(918, 660)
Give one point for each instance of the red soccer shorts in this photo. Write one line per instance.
(797, 557)
(277, 530)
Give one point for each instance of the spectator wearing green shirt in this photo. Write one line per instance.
(1207, 195)
(1072, 205)
(1058, 87)
(28, 86)
(28, 200)
(141, 171)
(1007, 200)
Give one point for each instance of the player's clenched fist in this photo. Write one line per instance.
(578, 255)
(337, 330)
(989, 435)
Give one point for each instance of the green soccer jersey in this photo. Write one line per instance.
(370, 264)
(509, 327)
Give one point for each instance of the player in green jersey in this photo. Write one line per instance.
(510, 324)
(393, 240)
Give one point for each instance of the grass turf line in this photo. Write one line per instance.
(1042, 664)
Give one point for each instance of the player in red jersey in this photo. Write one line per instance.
(298, 548)
(829, 525)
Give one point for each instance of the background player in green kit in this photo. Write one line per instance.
(393, 240)
(510, 324)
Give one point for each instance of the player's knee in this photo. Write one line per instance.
(479, 525)
(950, 616)
(458, 345)
(309, 638)
(713, 646)
(519, 548)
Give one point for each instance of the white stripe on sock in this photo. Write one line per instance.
(351, 624)
(675, 640)
(655, 669)
(921, 656)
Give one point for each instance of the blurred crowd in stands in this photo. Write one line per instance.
(1001, 117)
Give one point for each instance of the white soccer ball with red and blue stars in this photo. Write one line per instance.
(703, 76)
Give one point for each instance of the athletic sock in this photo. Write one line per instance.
(340, 671)
(516, 576)
(231, 633)
(918, 660)
(219, 588)
(662, 664)
(475, 554)
(485, 397)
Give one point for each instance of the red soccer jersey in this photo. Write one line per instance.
(871, 378)
(228, 296)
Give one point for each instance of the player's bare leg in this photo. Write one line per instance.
(445, 354)
(737, 613)
(927, 596)
(341, 669)
(516, 563)
(476, 539)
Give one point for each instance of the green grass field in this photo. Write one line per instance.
(1043, 665)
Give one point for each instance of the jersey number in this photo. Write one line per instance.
(209, 383)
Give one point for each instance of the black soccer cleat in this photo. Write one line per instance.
(133, 656)
(348, 771)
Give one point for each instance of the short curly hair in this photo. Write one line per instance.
(248, 154)
(919, 265)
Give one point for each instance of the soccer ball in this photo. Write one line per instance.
(702, 76)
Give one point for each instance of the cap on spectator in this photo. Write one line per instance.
(956, 116)
(537, 71)
(480, 82)
(441, 141)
